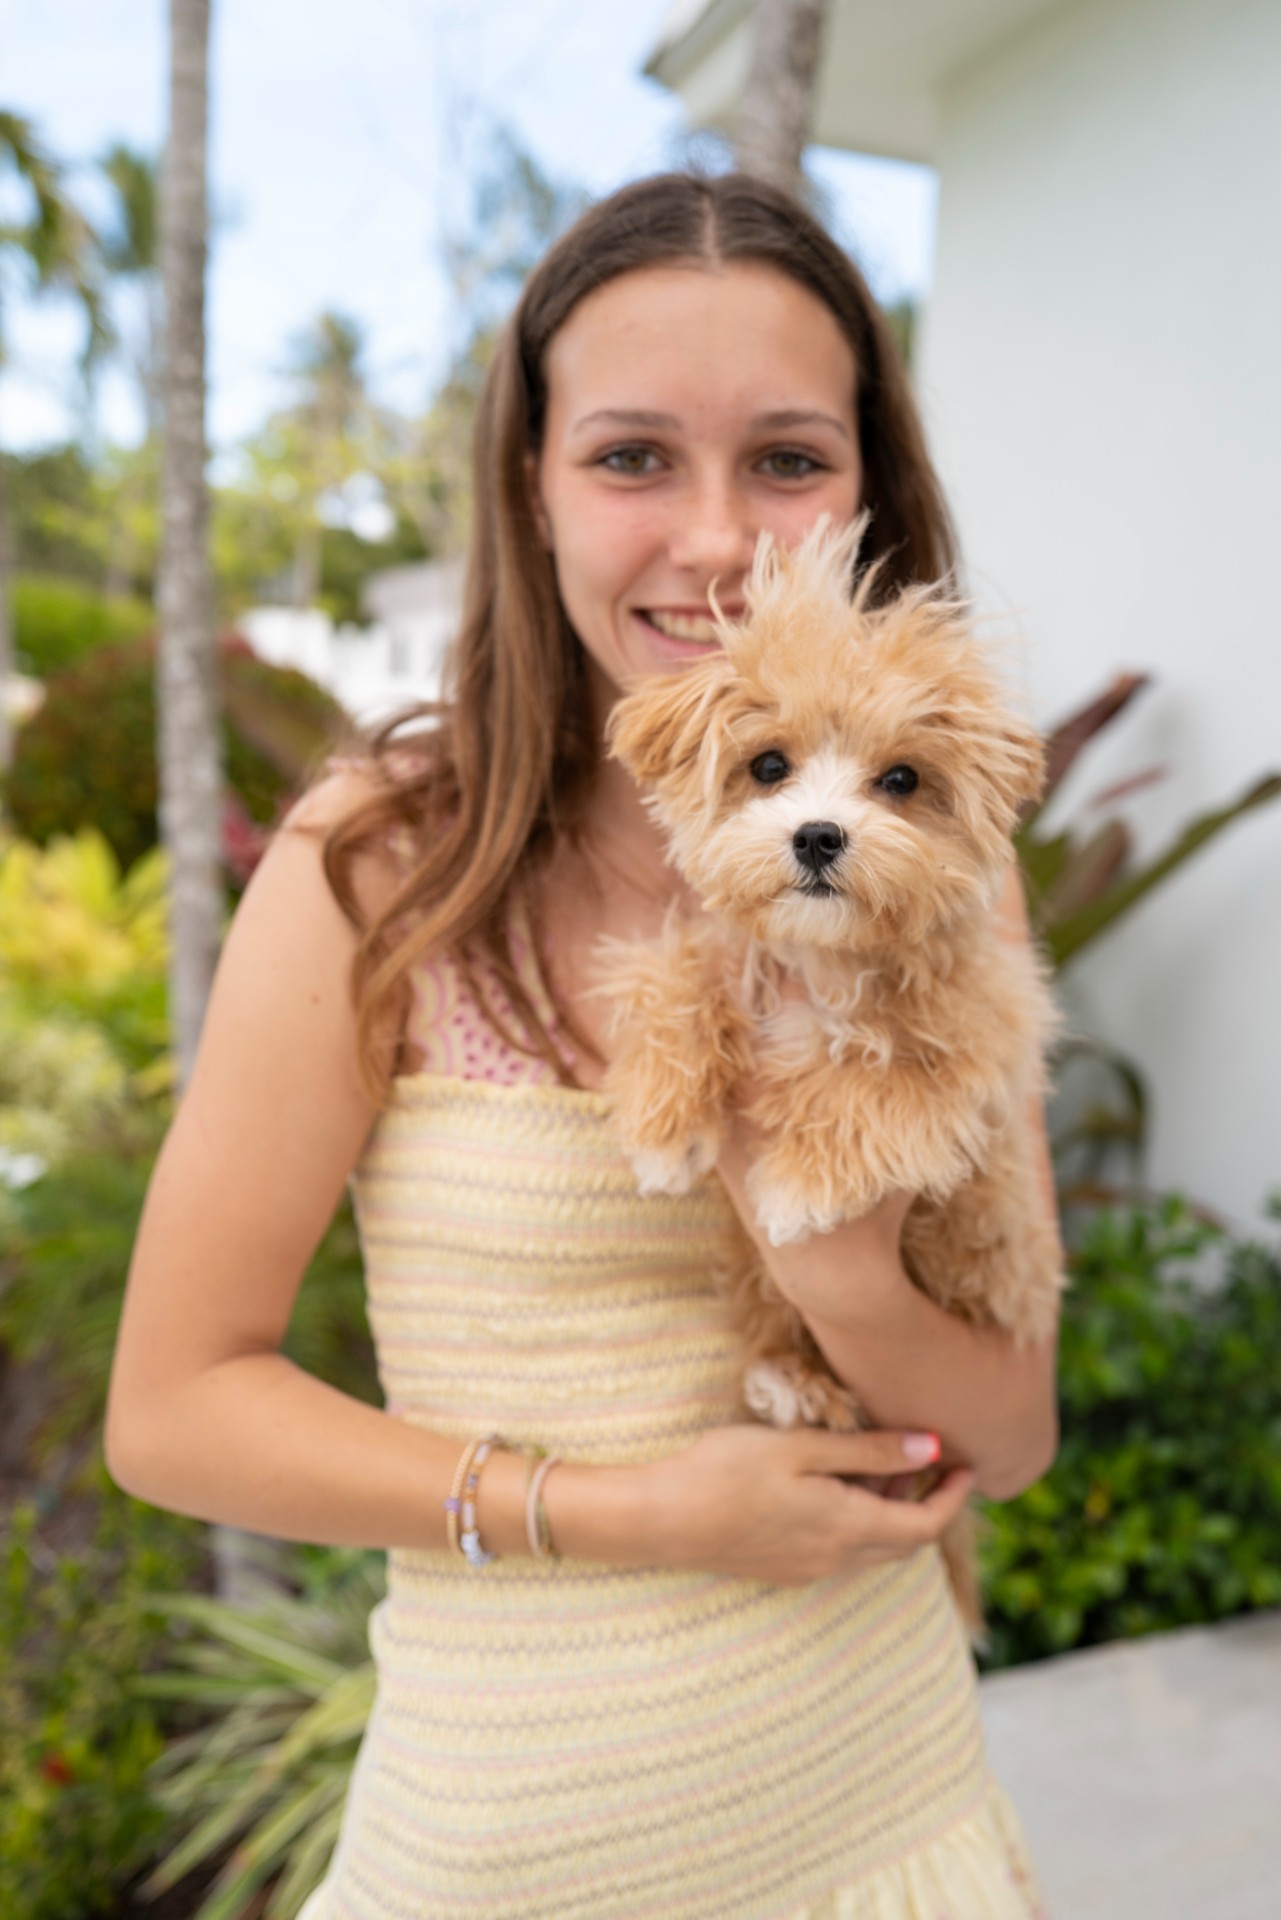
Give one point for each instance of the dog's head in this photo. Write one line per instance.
(838, 775)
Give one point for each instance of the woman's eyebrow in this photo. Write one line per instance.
(627, 417)
(779, 417)
(801, 417)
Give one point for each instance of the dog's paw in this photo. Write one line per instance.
(771, 1396)
(784, 1214)
(788, 1393)
(673, 1169)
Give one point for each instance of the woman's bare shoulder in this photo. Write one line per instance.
(281, 997)
(343, 791)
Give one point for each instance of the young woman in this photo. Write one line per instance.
(695, 1669)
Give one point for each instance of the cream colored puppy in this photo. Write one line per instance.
(840, 784)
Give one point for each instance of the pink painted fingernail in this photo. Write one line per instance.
(921, 1447)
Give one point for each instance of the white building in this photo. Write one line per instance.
(376, 670)
(1101, 378)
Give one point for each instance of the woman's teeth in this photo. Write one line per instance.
(684, 626)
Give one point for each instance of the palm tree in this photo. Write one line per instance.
(54, 249)
(131, 254)
(188, 749)
(324, 436)
(777, 108)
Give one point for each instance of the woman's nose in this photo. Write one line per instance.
(714, 532)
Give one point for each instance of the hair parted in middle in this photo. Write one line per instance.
(486, 780)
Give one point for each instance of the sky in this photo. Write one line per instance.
(334, 142)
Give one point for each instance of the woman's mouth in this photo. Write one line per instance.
(682, 631)
(682, 626)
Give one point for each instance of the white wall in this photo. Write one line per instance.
(1101, 370)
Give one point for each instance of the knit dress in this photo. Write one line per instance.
(572, 1741)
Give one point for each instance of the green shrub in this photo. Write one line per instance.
(60, 1309)
(290, 1688)
(81, 945)
(56, 623)
(87, 758)
(1164, 1506)
(59, 1079)
(67, 1259)
(78, 1814)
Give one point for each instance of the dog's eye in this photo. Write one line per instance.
(769, 768)
(899, 781)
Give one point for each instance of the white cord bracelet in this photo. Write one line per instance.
(537, 1526)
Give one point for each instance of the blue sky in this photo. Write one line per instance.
(334, 136)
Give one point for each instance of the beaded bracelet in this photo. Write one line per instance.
(453, 1500)
(469, 1538)
(461, 1501)
(538, 1528)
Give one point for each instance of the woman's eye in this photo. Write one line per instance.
(790, 464)
(769, 768)
(899, 781)
(629, 460)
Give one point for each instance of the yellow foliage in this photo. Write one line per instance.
(60, 1081)
(84, 953)
(69, 919)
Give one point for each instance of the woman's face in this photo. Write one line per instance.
(688, 408)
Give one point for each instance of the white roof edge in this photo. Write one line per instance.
(884, 64)
(691, 29)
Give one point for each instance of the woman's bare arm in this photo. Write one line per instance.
(910, 1363)
(207, 1417)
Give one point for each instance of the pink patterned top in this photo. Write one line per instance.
(447, 1024)
(455, 1038)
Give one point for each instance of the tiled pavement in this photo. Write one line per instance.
(1148, 1774)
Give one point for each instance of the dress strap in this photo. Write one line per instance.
(453, 1033)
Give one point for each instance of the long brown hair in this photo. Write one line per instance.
(482, 783)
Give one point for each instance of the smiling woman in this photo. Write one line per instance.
(671, 1662)
(750, 425)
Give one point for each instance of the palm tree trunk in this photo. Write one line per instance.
(777, 109)
(6, 622)
(188, 746)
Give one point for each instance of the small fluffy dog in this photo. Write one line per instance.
(839, 784)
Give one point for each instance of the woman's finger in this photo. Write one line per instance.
(879, 1452)
(915, 1523)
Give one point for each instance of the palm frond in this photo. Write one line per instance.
(292, 1686)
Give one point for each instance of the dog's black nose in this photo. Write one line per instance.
(818, 843)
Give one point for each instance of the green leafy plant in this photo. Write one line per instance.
(87, 758)
(78, 1813)
(1164, 1506)
(60, 1308)
(1081, 881)
(82, 943)
(60, 1080)
(68, 1254)
(291, 1686)
(56, 623)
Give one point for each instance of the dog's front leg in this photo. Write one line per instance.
(680, 1046)
(990, 1252)
(842, 1135)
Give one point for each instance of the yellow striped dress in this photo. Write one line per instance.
(567, 1741)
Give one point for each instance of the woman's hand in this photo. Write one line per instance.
(779, 1507)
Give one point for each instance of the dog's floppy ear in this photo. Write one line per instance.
(658, 728)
